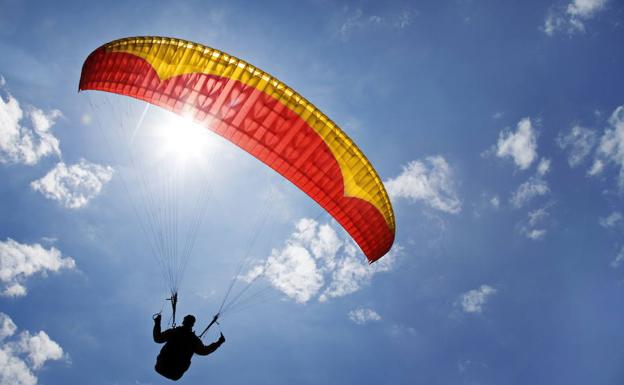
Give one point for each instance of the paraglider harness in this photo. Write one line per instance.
(174, 304)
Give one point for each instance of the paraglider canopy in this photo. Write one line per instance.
(258, 113)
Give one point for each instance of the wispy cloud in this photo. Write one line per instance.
(19, 261)
(20, 357)
(611, 220)
(473, 301)
(611, 147)
(401, 332)
(403, 20)
(618, 260)
(519, 145)
(357, 20)
(596, 168)
(579, 142)
(25, 134)
(316, 263)
(465, 366)
(534, 227)
(352, 272)
(430, 181)
(536, 216)
(536, 234)
(534, 187)
(495, 201)
(363, 315)
(75, 185)
(543, 167)
(572, 17)
(7, 326)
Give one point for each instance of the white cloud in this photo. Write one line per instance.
(352, 272)
(14, 370)
(7, 327)
(20, 358)
(618, 260)
(530, 189)
(596, 168)
(536, 234)
(554, 21)
(495, 202)
(585, 8)
(20, 261)
(430, 181)
(543, 167)
(39, 348)
(364, 315)
(316, 263)
(14, 290)
(521, 145)
(611, 147)
(580, 142)
(610, 220)
(293, 271)
(321, 240)
(75, 185)
(571, 18)
(20, 143)
(474, 300)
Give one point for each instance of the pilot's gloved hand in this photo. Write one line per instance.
(157, 318)
(221, 339)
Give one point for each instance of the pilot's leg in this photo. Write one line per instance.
(165, 370)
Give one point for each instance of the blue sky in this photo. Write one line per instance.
(498, 129)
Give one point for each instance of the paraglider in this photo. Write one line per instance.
(264, 117)
(181, 344)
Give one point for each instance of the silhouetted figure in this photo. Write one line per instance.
(180, 345)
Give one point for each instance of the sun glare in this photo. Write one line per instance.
(184, 139)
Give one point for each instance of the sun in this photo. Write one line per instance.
(184, 139)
